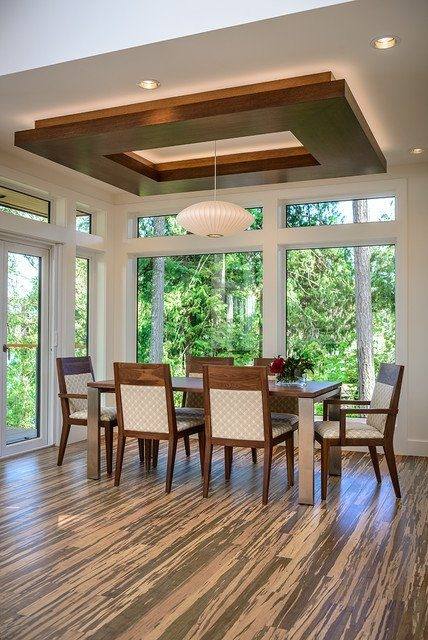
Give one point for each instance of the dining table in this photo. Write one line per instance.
(310, 393)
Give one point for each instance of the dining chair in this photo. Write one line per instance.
(237, 414)
(277, 403)
(376, 431)
(193, 400)
(73, 377)
(145, 410)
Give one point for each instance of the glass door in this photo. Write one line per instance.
(24, 314)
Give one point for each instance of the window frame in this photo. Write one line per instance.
(80, 213)
(28, 192)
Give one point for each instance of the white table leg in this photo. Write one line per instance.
(93, 441)
(306, 451)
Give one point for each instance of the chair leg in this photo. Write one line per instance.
(155, 453)
(119, 459)
(148, 453)
(267, 464)
(390, 461)
(254, 454)
(375, 461)
(289, 453)
(141, 449)
(201, 441)
(207, 467)
(172, 450)
(63, 442)
(108, 436)
(187, 445)
(324, 468)
(228, 453)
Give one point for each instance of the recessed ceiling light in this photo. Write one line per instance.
(416, 151)
(148, 84)
(385, 42)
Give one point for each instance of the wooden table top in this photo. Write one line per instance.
(313, 388)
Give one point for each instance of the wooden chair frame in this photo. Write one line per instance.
(391, 374)
(243, 378)
(194, 364)
(74, 366)
(151, 375)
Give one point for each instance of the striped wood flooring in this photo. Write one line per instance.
(83, 560)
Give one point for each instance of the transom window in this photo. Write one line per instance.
(21, 204)
(331, 212)
(83, 222)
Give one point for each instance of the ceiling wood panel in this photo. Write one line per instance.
(319, 110)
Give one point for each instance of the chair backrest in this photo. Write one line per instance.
(144, 398)
(194, 366)
(73, 376)
(278, 404)
(236, 403)
(386, 395)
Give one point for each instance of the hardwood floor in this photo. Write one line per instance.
(81, 559)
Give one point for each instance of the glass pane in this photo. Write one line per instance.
(21, 204)
(81, 309)
(201, 305)
(312, 214)
(258, 217)
(83, 222)
(23, 347)
(341, 312)
(155, 226)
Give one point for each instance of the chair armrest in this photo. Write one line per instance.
(72, 395)
(345, 412)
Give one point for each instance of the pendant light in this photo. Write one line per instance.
(214, 218)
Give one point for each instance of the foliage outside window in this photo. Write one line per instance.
(204, 305)
(157, 226)
(81, 309)
(83, 222)
(20, 204)
(313, 214)
(23, 339)
(341, 312)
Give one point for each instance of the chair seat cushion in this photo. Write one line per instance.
(329, 429)
(107, 414)
(188, 417)
(283, 423)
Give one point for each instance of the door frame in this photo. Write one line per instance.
(26, 248)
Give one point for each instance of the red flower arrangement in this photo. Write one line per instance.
(277, 366)
(290, 369)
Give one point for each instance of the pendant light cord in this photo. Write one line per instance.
(215, 169)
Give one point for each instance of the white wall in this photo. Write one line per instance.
(410, 232)
(113, 252)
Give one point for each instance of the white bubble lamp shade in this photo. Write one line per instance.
(215, 219)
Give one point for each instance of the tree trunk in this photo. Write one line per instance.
(363, 306)
(157, 333)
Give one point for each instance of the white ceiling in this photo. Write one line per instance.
(390, 86)
(281, 140)
(59, 31)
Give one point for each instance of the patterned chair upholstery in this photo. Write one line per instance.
(73, 377)
(146, 411)
(238, 415)
(376, 430)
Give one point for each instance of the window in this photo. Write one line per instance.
(21, 204)
(83, 222)
(156, 226)
(202, 305)
(81, 309)
(340, 305)
(312, 214)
